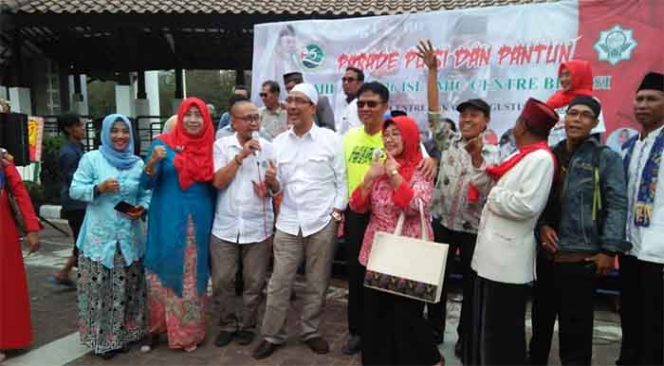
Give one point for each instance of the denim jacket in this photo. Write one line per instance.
(569, 210)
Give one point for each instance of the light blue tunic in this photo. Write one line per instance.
(104, 227)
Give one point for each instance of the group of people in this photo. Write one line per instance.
(272, 191)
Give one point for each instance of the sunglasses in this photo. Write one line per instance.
(368, 103)
(348, 80)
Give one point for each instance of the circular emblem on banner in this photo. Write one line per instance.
(615, 45)
(312, 56)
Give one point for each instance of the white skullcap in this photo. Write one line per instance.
(308, 90)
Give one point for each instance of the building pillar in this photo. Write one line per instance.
(124, 97)
(152, 90)
(20, 100)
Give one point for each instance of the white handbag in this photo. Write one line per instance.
(406, 266)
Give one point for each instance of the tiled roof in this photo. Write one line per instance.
(329, 7)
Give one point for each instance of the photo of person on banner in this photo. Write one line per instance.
(284, 55)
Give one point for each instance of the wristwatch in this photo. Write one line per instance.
(336, 216)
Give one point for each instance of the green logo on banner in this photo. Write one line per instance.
(615, 45)
(312, 56)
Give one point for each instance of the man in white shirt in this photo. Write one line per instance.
(504, 256)
(324, 116)
(312, 176)
(347, 117)
(243, 221)
(642, 287)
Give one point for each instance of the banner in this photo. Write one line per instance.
(501, 54)
(35, 135)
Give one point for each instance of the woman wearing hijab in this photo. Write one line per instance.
(15, 324)
(576, 79)
(394, 331)
(180, 171)
(112, 293)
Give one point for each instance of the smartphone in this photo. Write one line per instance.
(126, 208)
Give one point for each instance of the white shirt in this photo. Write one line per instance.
(312, 174)
(241, 216)
(348, 118)
(647, 242)
(506, 246)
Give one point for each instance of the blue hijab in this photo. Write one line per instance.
(120, 159)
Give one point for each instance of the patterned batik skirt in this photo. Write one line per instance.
(112, 303)
(182, 318)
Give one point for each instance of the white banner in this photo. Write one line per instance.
(501, 54)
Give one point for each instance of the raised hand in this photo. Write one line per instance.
(250, 147)
(158, 154)
(109, 185)
(391, 164)
(427, 53)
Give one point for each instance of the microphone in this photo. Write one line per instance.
(255, 136)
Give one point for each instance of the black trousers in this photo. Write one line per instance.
(563, 290)
(641, 310)
(465, 242)
(75, 221)
(355, 225)
(394, 331)
(498, 333)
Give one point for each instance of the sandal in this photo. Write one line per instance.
(61, 281)
(191, 349)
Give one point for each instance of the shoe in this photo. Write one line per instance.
(223, 338)
(149, 342)
(244, 337)
(458, 349)
(352, 346)
(108, 355)
(318, 345)
(264, 350)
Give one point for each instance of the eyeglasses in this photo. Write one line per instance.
(262, 95)
(298, 100)
(584, 114)
(348, 80)
(249, 118)
(368, 103)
